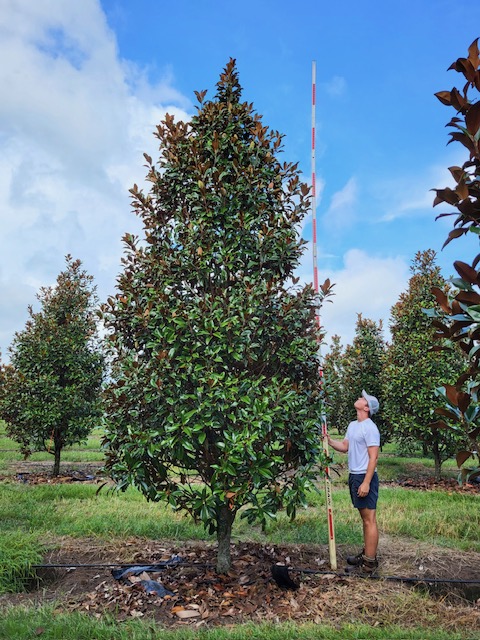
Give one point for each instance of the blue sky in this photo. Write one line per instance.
(86, 83)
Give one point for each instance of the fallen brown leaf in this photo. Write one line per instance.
(187, 613)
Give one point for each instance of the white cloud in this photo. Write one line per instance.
(364, 284)
(17, 296)
(341, 213)
(74, 123)
(336, 87)
(408, 195)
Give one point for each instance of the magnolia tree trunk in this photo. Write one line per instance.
(57, 453)
(438, 461)
(225, 518)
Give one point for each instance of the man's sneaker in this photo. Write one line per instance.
(356, 560)
(365, 568)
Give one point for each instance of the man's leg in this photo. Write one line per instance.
(370, 531)
(367, 509)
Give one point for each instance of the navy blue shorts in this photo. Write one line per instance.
(370, 500)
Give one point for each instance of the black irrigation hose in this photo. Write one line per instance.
(426, 580)
(308, 571)
(395, 578)
(82, 566)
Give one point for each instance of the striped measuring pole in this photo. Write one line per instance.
(328, 484)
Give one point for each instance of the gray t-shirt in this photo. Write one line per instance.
(361, 435)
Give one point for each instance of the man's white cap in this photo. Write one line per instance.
(373, 403)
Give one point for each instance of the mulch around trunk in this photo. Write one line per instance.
(450, 485)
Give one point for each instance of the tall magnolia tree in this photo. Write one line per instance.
(50, 391)
(461, 410)
(413, 369)
(215, 400)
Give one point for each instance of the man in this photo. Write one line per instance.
(362, 442)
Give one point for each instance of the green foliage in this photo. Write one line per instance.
(413, 369)
(460, 412)
(50, 391)
(348, 371)
(338, 415)
(363, 365)
(215, 400)
(18, 552)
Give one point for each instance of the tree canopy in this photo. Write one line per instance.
(215, 401)
(349, 370)
(413, 369)
(461, 410)
(337, 414)
(50, 391)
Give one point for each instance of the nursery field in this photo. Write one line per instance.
(64, 541)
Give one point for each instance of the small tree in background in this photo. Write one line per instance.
(215, 402)
(461, 410)
(50, 391)
(333, 372)
(413, 370)
(360, 367)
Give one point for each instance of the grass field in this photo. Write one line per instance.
(35, 517)
(50, 626)
(90, 451)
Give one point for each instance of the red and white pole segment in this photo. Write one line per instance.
(314, 191)
(328, 485)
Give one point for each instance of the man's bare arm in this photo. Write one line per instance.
(339, 445)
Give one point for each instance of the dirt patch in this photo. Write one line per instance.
(28, 472)
(198, 596)
(41, 473)
(429, 483)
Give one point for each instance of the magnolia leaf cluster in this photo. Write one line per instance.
(460, 411)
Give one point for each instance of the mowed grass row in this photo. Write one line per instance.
(440, 518)
(89, 451)
(46, 623)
